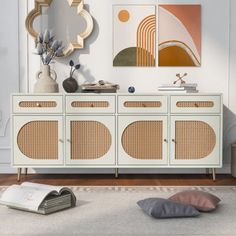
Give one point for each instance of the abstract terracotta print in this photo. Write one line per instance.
(134, 35)
(179, 35)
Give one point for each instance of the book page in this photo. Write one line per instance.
(42, 186)
(59, 189)
(24, 196)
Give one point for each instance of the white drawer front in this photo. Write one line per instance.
(90, 104)
(142, 104)
(194, 103)
(37, 104)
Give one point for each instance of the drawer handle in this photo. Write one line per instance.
(33, 104)
(165, 140)
(136, 104)
(86, 104)
(196, 104)
(173, 140)
(61, 141)
(68, 140)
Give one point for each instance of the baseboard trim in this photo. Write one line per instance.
(7, 169)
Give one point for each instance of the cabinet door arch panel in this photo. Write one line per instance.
(38, 140)
(139, 140)
(195, 140)
(90, 140)
(142, 140)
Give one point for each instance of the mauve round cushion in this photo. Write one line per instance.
(202, 201)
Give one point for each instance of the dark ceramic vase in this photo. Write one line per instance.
(70, 85)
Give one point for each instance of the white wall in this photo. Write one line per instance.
(216, 74)
(9, 73)
(230, 110)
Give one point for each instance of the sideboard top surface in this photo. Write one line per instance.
(119, 94)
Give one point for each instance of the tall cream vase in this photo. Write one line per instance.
(46, 81)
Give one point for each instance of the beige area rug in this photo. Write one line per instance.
(106, 211)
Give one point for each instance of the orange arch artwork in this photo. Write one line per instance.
(179, 33)
(134, 35)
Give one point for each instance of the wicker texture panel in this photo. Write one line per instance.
(39, 140)
(89, 140)
(143, 140)
(190, 104)
(194, 140)
(90, 104)
(143, 104)
(40, 104)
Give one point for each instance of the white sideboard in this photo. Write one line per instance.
(117, 131)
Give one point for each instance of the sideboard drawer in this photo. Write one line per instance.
(37, 104)
(195, 103)
(90, 104)
(142, 104)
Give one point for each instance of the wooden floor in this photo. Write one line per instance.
(123, 180)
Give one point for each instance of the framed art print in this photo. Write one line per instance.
(179, 32)
(134, 35)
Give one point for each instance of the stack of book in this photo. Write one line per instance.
(183, 88)
(100, 87)
(55, 203)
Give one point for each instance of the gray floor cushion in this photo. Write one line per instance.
(164, 208)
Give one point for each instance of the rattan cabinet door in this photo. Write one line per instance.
(142, 140)
(37, 140)
(195, 141)
(90, 140)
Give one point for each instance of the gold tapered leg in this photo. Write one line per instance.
(116, 172)
(214, 174)
(18, 174)
(26, 171)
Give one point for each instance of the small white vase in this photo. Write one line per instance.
(46, 81)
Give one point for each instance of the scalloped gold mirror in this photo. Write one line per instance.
(67, 19)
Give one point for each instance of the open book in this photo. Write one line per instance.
(39, 198)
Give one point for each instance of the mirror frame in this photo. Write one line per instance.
(37, 11)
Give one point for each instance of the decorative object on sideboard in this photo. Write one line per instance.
(183, 87)
(100, 87)
(131, 89)
(70, 84)
(47, 49)
(73, 28)
(180, 78)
